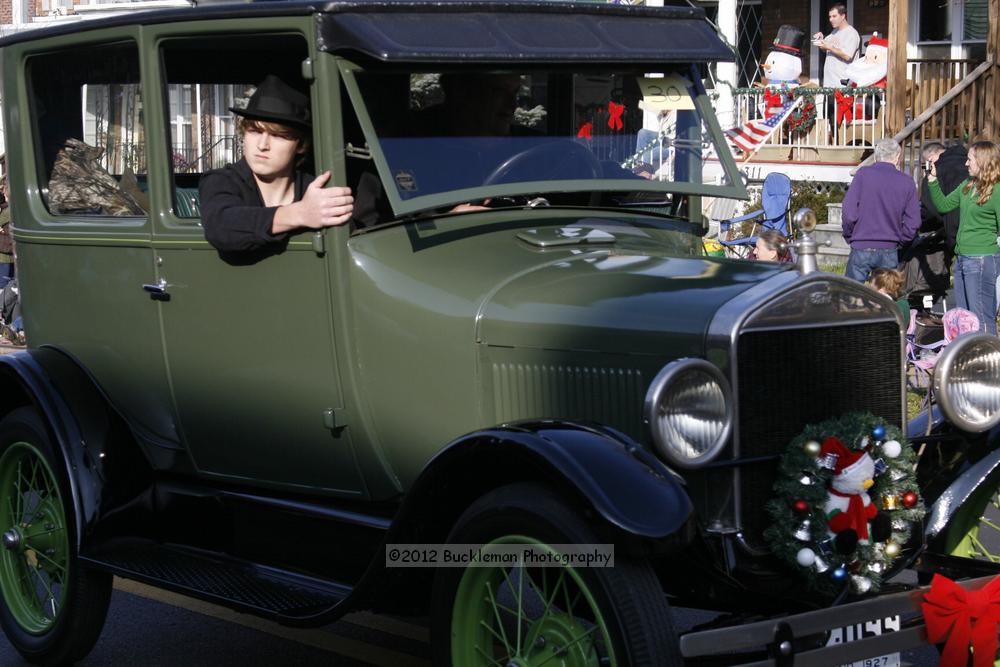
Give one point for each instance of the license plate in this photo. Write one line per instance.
(868, 629)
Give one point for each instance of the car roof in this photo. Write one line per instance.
(463, 31)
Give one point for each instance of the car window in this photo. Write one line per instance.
(442, 135)
(87, 109)
(205, 78)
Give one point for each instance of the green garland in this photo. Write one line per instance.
(812, 91)
(803, 479)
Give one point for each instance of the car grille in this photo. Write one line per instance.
(791, 378)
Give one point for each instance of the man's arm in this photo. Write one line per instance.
(850, 209)
(231, 225)
(911, 213)
(849, 42)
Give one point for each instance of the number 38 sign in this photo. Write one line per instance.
(666, 93)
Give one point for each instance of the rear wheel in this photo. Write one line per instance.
(526, 616)
(53, 610)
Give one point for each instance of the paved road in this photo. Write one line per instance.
(157, 629)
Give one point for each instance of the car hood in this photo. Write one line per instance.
(614, 301)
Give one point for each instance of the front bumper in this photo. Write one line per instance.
(772, 643)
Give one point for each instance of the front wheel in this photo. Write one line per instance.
(525, 615)
(53, 610)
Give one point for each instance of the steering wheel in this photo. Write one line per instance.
(562, 155)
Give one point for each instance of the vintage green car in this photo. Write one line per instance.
(283, 432)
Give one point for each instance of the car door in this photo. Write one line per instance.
(76, 141)
(249, 344)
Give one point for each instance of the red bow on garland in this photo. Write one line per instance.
(615, 112)
(964, 617)
(773, 99)
(845, 107)
(586, 131)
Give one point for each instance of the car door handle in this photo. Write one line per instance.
(158, 290)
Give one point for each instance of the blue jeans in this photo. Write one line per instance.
(976, 288)
(862, 262)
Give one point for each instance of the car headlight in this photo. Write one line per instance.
(689, 410)
(967, 382)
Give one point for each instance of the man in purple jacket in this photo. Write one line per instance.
(881, 213)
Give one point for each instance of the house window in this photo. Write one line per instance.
(975, 22)
(87, 108)
(956, 23)
(935, 21)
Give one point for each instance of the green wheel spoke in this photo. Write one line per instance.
(546, 634)
(488, 657)
(571, 643)
(33, 590)
(45, 585)
(496, 613)
(58, 567)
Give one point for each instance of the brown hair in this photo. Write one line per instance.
(889, 281)
(776, 241)
(298, 134)
(840, 7)
(987, 154)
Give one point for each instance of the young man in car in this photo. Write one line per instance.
(252, 206)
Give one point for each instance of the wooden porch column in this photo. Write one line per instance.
(896, 84)
(991, 118)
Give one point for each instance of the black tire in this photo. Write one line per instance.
(78, 618)
(628, 596)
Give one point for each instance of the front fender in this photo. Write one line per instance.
(80, 423)
(625, 484)
(985, 471)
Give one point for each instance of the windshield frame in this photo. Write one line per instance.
(736, 188)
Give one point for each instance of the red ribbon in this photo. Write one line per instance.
(773, 99)
(586, 131)
(615, 112)
(964, 617)
(845, 107)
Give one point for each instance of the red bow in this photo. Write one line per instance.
(773, 99)
(845, 107)
(964, 617)
(615, 112)
(586, 131)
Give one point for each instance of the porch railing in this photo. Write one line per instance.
(862, 125)
(927, 81)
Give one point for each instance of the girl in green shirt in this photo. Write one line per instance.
(978, 256)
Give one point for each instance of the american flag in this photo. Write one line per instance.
(750, 136)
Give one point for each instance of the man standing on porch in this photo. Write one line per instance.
(880, 213)
(841, 47)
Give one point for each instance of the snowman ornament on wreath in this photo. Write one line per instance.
(850, 512)
(846, 503)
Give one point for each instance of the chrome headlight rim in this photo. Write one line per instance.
(943, 375)
(661, 383)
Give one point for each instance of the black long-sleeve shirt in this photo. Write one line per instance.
(233, 213)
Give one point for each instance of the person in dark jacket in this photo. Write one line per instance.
(951, 171)
(250, 208)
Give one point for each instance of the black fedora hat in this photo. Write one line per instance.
(276, 101)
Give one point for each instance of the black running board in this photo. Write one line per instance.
(271, 593)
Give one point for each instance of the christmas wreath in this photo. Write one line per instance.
(827, 523)
(803, 117)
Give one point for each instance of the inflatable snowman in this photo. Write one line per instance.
(782, 68)
(867, 72)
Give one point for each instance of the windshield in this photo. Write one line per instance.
(444, 138)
